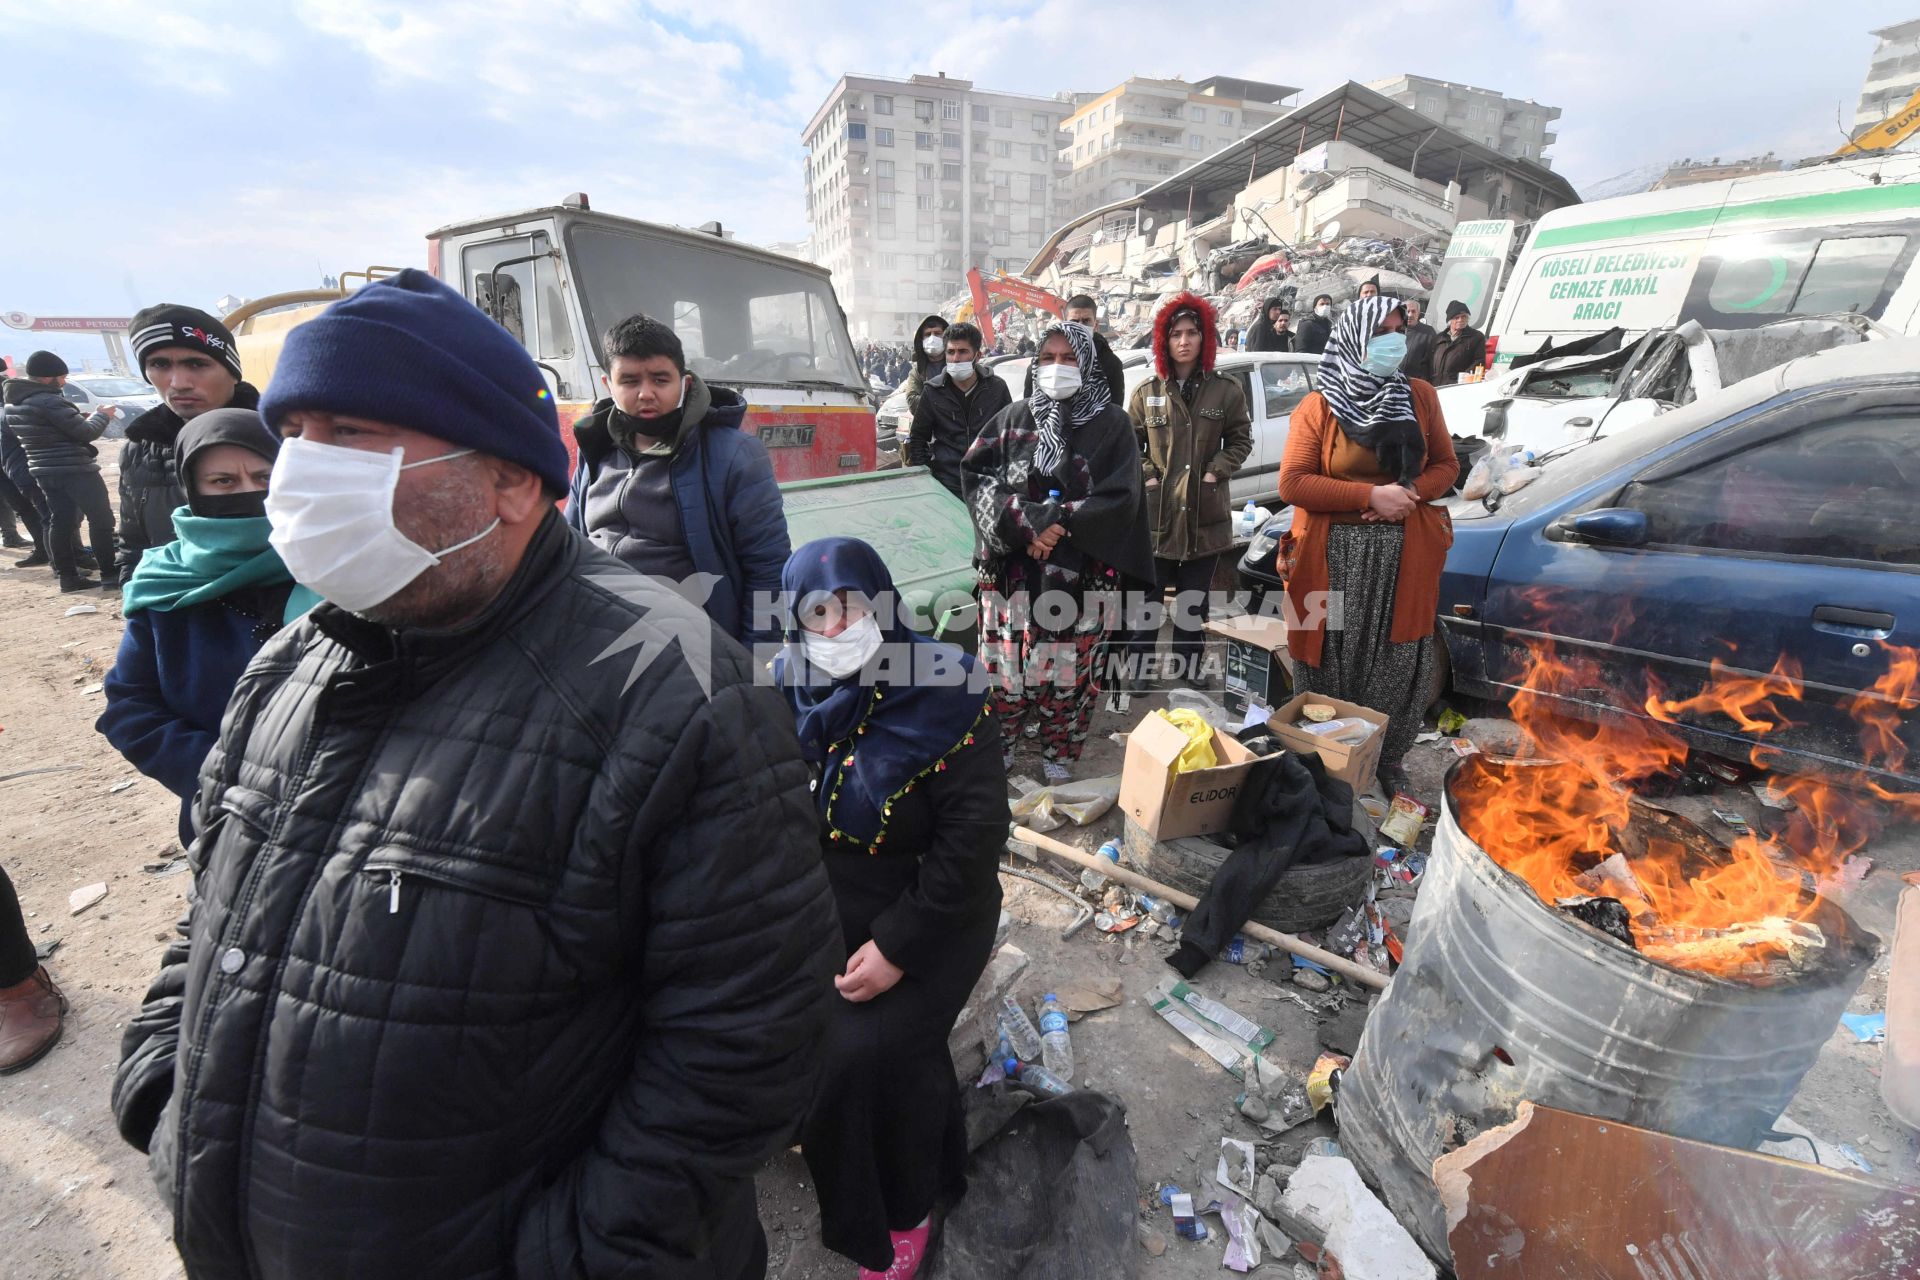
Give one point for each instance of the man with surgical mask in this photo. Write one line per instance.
(508, 947)
(956, 402)
(1318, 327)
(669, 483)
(927, 354)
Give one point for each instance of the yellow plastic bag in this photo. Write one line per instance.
(1198, 753)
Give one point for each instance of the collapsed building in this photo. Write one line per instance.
(1344, 187)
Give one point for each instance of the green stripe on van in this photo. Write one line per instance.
(1825, 204)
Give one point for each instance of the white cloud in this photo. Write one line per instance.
(183, 51)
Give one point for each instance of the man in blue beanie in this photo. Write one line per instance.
(502, 958)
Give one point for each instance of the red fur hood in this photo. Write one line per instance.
(1209, 332)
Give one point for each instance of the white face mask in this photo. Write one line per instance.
(1323, 311)
(331, 511)
(933, 344)
(842, 655)
(961, 369)
(1059, 381)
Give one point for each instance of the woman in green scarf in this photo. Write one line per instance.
(200, 607)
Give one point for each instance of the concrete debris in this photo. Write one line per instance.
(80, 899)
(1326, 1192)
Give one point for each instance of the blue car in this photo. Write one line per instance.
(1775, 522)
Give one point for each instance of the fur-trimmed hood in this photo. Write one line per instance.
(1209, 332)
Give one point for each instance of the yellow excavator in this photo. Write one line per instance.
(1889, 133)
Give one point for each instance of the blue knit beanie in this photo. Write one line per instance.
(410, 351)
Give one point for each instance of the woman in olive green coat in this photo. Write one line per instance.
(1197, 433)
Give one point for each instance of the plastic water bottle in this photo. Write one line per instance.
(1019, 1028)
(1056, 1050)
(1092, 879)
(1038, 1078)
(1249, 515)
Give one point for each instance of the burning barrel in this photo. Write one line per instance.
(1599, 1002)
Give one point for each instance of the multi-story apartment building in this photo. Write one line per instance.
(1130, 137)
(1893, 73)
(912, 182)
(1514, 127)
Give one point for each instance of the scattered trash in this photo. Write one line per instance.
(1045, 807)
(1326, 1192)
(1243, 1239)
(1081, 999)
(79, 609)
(1854, 1158)
(1108, 922)
(1019, 1029)
(1223, 1035)
(80, 899)
(1451, 722)
(1464, 747)
(92, 689)
(1240, 951)
(1772, 797)
(1236, 1171)
(1056, 1045)
(1867, 1028)
(1093, 880)
(1608, 915)
(1323, 1147)
(1434, 736)
(1734, 822)
(1038, 1079)
(1405, 817)
(118, 787)
(1186, 1224)
(1309, 976)
(1323, 1082)
(1347, 932)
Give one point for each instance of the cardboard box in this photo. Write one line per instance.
(1258, 672)
(1355, 765)
(1168, 804)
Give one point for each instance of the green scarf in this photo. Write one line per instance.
(207, 559)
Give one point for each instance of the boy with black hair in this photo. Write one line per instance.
(956, 403)
(668, 482)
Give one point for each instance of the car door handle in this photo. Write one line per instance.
(1836, 616)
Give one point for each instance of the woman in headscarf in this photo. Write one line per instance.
(1269, 332)
(913, 812)
(928, 356)
(1367, 459)
(199, 607)
(1054, 486)
(1198, 433)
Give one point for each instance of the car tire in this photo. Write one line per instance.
(1307, 897)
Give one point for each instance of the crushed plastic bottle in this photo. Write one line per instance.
(1093, 880)
(1056, 1048)
(1037, 1078)
(1242, 951)
(1019, 1028)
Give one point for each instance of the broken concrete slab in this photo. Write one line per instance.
(965, 1042)
(1608, 1201)
(1326, 1193)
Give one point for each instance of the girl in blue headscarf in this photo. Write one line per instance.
(913, 806)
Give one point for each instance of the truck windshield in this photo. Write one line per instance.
(740, 319)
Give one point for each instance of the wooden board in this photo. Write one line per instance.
(1559, 1196)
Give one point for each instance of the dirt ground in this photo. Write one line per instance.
(76, 1202)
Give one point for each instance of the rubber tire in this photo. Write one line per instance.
(1307, 897)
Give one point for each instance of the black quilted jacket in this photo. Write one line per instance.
(56, 437)
(493, 966)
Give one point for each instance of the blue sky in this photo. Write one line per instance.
(186, 152)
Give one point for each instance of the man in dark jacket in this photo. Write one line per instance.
(509, 946)
(957, 401)
(1420, 339)
(1318, 327)
(1082, 310)
(58, 442)
(668, 482)
(22, 497)
(1461, 349)
(191, 360)
(1271, 332)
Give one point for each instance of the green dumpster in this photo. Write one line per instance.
(920, 530)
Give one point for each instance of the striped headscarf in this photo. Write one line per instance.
(1055, 418)
(1362, 400)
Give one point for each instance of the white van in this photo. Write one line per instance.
(1839, 237)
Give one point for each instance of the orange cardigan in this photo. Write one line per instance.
(1314, 495)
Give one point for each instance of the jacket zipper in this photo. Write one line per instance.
(395, 872)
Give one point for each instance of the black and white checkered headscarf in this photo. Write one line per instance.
(1362, 400)
(1055, 418)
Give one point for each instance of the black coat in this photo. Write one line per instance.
(946, 421)
(1313, 334)
(1453, 356)
(1419, 361)
(493, 965)
(56, 437)
(150, 488)
(1110, 366)
(1264, 337)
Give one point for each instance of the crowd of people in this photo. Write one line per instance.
(563, 841)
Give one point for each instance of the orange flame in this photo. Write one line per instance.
(1735, 912)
